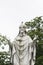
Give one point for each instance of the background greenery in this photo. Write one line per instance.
(4, 56)
(35, 28)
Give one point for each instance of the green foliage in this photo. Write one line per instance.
(4, 56)
(35, 28)
(39, 61)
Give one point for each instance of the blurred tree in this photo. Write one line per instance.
(4, 56)
(35, 28)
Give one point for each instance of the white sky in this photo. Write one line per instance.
(13, 12)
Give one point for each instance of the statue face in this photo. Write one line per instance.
(21, 30)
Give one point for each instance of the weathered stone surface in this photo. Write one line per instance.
(23, 48)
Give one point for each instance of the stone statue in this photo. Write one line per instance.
(23, 48)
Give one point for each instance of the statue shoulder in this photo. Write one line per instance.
(29, 39)
(16, 39)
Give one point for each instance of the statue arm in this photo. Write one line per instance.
(30, 42)
(34, 48)
(30, 51)
(14, 48)
(34, 52)
(12, 52)
(10, 48)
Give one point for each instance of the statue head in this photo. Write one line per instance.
(22, 29)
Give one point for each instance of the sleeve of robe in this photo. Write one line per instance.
(30, 42)
(14, 48)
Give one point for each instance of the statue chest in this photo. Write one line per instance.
(21, 44)
(21, 47)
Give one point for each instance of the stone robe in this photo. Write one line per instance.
(22, 49)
